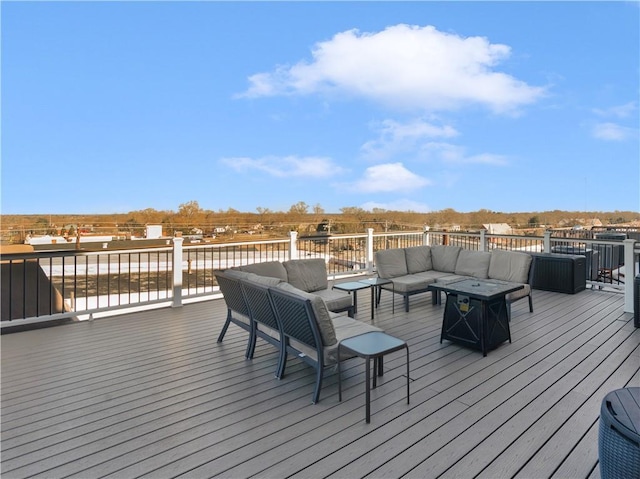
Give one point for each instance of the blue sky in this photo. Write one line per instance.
(109, 107)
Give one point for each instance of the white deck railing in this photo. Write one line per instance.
(87, 284)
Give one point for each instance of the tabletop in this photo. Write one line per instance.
(478, 288)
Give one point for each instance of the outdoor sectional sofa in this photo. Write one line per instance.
(411, 270)
(265, 300)
(308, 275)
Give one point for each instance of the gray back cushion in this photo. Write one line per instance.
(473, 263)
(235, 274)
(444, 258)
(510, 266)
(391, 263)
(263, 280)
(307, 274)
(418, 259)
(273, 269)
(252, 277)
(323, 317)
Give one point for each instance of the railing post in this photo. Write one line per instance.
(483, 240)
(293, 245)
(369, 258)
(546, 242)
(426, 237)
(177, 272)
(629, 274)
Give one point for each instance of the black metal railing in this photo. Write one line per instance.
(199, 262)
(68, 283)
(62, 284)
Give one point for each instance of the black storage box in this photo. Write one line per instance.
(562, 273)
(591, 255)
(619, 434)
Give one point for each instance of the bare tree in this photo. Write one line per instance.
(300, 208)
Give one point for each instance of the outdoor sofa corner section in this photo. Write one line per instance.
(412, 270)
(297, 322)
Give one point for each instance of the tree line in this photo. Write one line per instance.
(190, 218)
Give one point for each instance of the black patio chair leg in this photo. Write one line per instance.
(225, 327)
(316, 393)
(530, 304)
(282, 362)
(251, 346)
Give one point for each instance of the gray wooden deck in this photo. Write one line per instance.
(152, 394)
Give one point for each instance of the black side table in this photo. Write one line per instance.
(373, 345)
(352, 287)
(375, 284)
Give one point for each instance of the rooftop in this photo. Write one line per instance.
(153, 394)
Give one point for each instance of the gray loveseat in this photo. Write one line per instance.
(297, 322)
(413, 269)
(308, 275)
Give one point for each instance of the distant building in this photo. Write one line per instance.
(153, 231)
(497, 228)
(595, 222)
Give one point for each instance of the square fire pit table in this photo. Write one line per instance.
(475, 313)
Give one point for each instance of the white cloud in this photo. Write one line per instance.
(398, 205)
(396, 138)
(612, 132)
(287, 166)
(404, 66)
(387, 178)
(618, 111)
(454, 154)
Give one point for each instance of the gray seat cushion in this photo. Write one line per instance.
(450, 278)
(410, 283)
(521, 293)
(345, 327)
(335, 300)
(434, 275)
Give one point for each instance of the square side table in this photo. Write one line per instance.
(373, 345)
(352, 287)
(375, 284)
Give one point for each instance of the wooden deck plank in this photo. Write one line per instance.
(549, 410)
(152, 394)
(376, 454)
(462, 428)
(553, 453)
(459, 427)
(477, 426)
